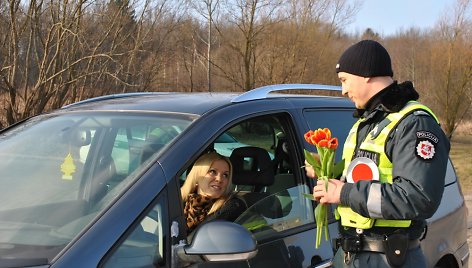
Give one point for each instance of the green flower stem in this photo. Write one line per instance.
(330, 163)
(321, 217)
(324, 169)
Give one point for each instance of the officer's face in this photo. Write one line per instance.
(356, 88)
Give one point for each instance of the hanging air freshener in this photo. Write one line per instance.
(68, 167)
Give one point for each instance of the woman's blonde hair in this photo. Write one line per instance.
(199, 171)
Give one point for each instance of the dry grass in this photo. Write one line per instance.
(461, 155)
(464, 128)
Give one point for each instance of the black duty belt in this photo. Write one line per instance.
(394, 246)
(358, 244)
(378, 245)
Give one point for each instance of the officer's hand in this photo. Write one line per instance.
(310, 172)
(332, 196)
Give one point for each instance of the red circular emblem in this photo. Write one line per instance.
(425, 149)
(362, 168)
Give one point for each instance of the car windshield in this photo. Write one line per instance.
(57, 172)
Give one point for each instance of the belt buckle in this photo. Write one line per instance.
(353, 244)
(347, 257)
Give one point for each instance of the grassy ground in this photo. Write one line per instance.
(461, 155)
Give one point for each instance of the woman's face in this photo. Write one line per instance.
(215, 181)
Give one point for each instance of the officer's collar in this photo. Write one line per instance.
(390, 99)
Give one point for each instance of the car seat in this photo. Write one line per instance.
(151, 146)
(253, 167)
(104, 174)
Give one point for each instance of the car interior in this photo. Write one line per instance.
(263, 175)
(253, 171)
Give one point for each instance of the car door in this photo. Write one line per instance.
(285, 232)
(279, 216)
(299, 244)
(145, 244)
(339, 121)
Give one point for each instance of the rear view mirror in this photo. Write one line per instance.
(74, 135)
(80, 137)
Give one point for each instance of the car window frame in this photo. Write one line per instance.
(163, 198)
(286, 120)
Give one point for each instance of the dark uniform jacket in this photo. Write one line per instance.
(418, 182)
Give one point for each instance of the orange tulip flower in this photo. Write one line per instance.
(324, 167)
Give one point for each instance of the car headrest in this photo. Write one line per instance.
(252, 166)
(151, 146)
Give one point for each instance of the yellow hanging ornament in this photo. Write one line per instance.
(68, 167)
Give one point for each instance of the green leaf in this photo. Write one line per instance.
(326, 180)
(309, 157)
(315, 163)
(338, 169)
(309, 196)
(253, 225)
(330, 163)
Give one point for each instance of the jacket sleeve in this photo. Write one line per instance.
(230, 211)
(419, 152)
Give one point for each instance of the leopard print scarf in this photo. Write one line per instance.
(196, 210)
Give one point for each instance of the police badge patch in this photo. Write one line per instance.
(425, 145)
(425, 150)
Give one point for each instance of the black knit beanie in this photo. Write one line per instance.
(366, 58)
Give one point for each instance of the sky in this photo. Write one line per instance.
(386, 17)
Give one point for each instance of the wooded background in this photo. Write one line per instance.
(55, 52)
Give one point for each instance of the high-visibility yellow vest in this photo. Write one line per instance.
(375, 142)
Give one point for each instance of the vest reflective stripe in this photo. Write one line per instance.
(375, 142)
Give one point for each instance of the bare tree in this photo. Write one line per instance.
(208, 10)
(410, 50)
(312, 39)
(55, 52)
(44, 56)
(245, 21)
(452, 68)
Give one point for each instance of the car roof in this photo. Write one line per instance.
(199, 103)
(192, 103)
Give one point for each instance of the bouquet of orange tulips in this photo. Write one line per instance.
(324, 168)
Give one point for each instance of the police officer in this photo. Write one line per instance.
(395, 163)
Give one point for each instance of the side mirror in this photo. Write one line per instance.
(219, 241)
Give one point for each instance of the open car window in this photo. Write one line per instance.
(278, 212)
(265, 175)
